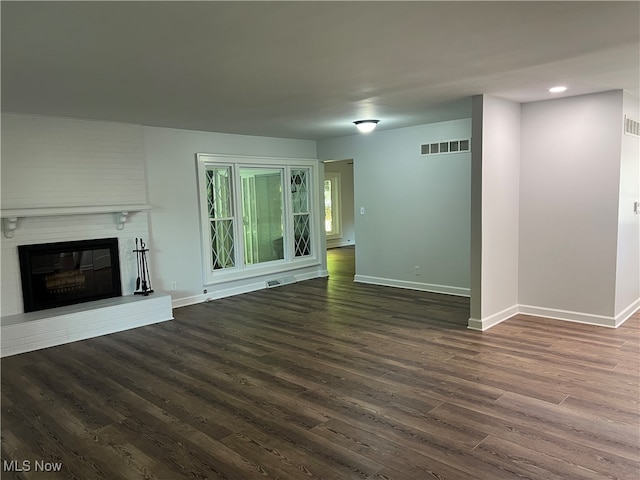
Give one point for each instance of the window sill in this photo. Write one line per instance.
(219, 276)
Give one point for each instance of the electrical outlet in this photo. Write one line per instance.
(174, 286)
(416, 270)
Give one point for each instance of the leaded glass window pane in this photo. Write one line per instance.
(220, 212)
(300, 196)
(300, 190)
(219, 192)
(302, 235)
(222, 244)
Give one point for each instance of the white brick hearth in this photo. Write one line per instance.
(26, 332)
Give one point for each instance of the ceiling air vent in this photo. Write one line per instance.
(448, 146)
(631, 126)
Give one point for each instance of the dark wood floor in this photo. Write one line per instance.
(335, 380)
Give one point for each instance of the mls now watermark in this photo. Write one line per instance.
(29, 466)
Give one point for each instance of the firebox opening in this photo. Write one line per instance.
(66, 273)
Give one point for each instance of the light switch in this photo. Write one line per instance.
(361, 210)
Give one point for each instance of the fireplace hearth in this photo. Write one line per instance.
(66, 273)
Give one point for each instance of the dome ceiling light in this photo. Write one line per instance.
(366, 126)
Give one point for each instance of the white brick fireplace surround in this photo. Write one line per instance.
(65, 180)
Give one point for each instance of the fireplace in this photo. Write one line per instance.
(66, 273)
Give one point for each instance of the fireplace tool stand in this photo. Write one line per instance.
(143, 282)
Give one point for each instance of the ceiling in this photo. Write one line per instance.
(306, 69)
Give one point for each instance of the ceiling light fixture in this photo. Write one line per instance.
(366, 126)
(558, 89)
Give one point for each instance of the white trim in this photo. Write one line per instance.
(311, 275)
(11, 216)
(424, 287)
(492, 320)
(625, 314)
(264, 269)
(567, 315)
(238, 290)
(556, 314)
(74, 210)
(191, 300)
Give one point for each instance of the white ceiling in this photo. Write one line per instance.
(306, 69)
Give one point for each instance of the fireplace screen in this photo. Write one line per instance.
(65, 273)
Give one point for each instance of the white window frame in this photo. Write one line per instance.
(290, 261)
(336, 208)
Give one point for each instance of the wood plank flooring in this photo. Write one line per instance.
(334, 380)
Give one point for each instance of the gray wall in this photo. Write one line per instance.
(569, 195)
(174, 219)
(417, 208)
(495, 210)
(628, 263)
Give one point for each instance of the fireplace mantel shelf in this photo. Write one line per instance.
(10, 216)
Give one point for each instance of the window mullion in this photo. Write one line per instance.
(236, 210)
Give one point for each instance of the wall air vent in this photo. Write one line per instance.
(448, 146)
(631, 126)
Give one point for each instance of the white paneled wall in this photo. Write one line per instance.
(49, 161)
(59, 162)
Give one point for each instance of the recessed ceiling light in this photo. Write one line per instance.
(558, 89)
(366, 126)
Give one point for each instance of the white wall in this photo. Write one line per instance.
(417, 208)
(348, 232)
(627, 297)
(569, 196)
(174, 218)
(495, 211)
(59, 162)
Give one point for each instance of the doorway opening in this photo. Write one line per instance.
(339, 217)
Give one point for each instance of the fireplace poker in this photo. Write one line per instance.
(137, 265)
(147, 275)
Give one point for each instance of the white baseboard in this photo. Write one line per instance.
(424, 287)
(186, 301)
(311, 275)
(567, 315)
(556, 314)
(238, 290)
(217, 294)
(492, 320)
(625, 314)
